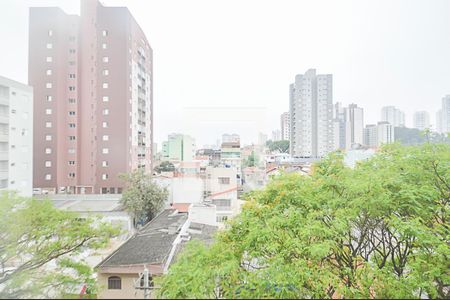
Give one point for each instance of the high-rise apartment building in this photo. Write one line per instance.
(262, 139)
(348, 126)
(285, 120)
(393, 115)
(16, 137)
(376, 135)
(178, 147)
(276, 135)
(443, 116)
(311, 115)
(421, 120)
(92, 79)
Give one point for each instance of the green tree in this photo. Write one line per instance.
(165, 166)
(378, 230)
(142, 197)
(278, 146)
(39, 245)
(251, 161)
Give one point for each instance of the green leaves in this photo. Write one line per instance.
(379, 230)
(41, 244)
(142, 197)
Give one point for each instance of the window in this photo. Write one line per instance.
(13, 111)
(48, 124)
(72, 76)
(72, 138)
(49, 59)
(48, 111)
(71, 151)
(48, 137)
(105, 125)
(104, 46)
(49, 98)
(104, 163)
(72, 125)
(105, 59)
(224, 180)
(106, 137)
(72, 51)
(48, 85)
(114, 283)
(71, 162)
(48, 150)
(71, 113)
(104, 176)
(49, 45)
(48, 164)
(105, 150)
(106, 72)
(72, 38)
(71, 88)
(49, 72)
(50, 33)
(71, 175)
(106, 112)
(72, 100)
(105, 85)
(48, 177)
(71, 63)
(105, 32)
(105, 98)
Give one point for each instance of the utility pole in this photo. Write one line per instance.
(143, 283)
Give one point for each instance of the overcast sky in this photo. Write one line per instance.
(225, 66)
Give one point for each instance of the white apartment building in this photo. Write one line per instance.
(16, 137)
(221, 190)
(421, 120)
(311, 115)
(443, 116)
(376, 135)
(348, 126)
(276, 135)
(393, 115)
(285, 120)
(178, 147)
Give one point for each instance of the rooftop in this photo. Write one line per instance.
(152, 244)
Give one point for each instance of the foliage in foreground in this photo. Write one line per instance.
(142, 197)
(378, 230)
(39, 245)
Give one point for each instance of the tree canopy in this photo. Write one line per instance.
(142, 197)
(39, 247)
(165, 166)
(278, 146)
(379, 230)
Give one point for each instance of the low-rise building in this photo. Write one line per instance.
(154, 247)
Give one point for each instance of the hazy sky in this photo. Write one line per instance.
(225, 66)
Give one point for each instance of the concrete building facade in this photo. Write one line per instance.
(443, 116)
(421, 120)
(311, 115)
(393, 115)
(348, 126)
(16, 137)
(92, 78)
(376, 135)
(178, 147)
(285, 120)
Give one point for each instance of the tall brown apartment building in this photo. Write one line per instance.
(93, 98)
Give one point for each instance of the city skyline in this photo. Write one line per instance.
(373, 64)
